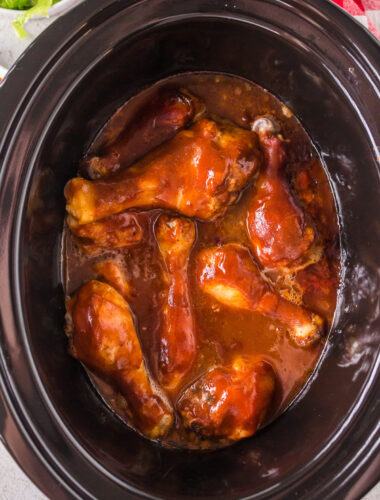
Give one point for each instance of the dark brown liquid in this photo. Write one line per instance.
(223, 332)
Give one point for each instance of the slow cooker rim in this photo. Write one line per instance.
(10, 124)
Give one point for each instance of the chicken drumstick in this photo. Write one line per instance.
(168, 112)
(105, 340)
(229, 274)
(115, 231)
(280, 232)
(198, 173)
(177, 342)
(229, 402)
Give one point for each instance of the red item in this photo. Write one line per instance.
(365, 11)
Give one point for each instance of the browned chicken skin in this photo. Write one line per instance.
(197, 173)
(105, 340)
(177, 342)
(115, 231)
(280, 232)
(229, 402)
(168, 111)
(318, 284)
(229, 274)
(112, 272)
(160, 175)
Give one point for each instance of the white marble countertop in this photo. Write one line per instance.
(14, 484)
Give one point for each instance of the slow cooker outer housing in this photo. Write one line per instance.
(54, 100)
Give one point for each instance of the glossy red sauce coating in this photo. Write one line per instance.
(104, 338)
(280, 232)
(240, 354)
(239, 395)
(211, 158)
(119, 230)
(229, 274)
(177, 345)
(168, 112)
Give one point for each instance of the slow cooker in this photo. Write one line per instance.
(61, 91)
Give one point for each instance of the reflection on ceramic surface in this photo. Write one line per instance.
(322, 445)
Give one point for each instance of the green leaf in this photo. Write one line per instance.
(17, 4)
(41, 7)
(20, 4)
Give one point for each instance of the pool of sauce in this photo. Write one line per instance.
(223, 332)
